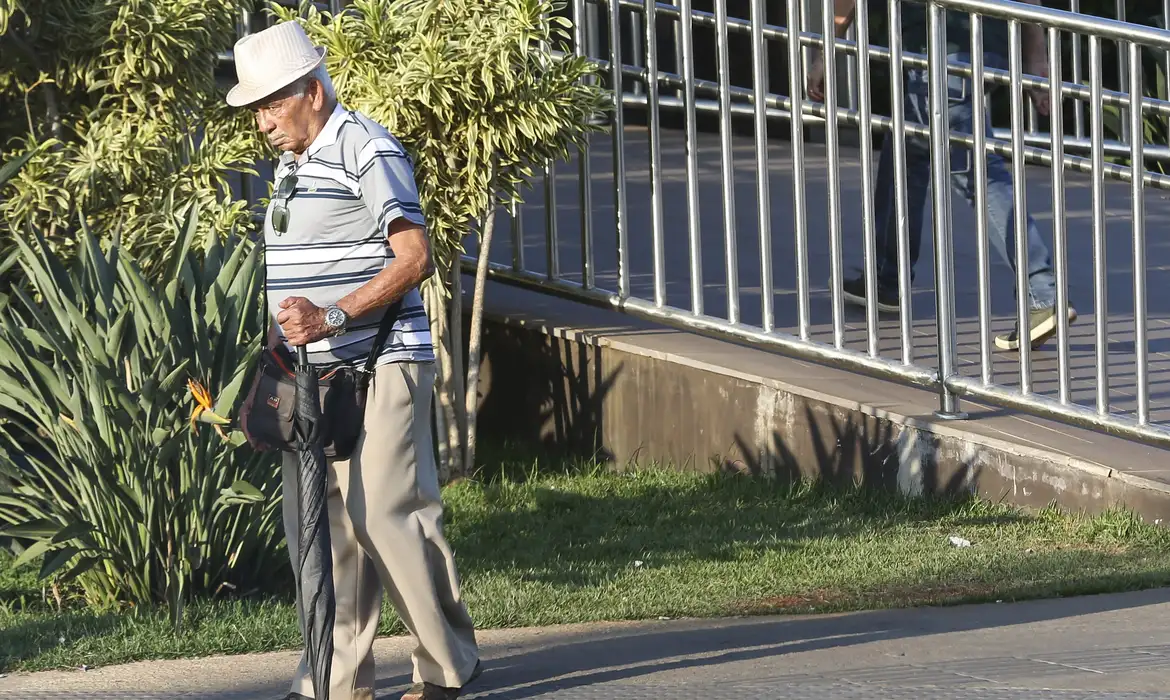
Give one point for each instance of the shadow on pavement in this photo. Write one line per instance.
(700, 644)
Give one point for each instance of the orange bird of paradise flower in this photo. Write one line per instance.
(203, 412)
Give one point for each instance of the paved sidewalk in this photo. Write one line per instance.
(1110, 647)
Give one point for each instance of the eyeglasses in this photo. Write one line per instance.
(280, 203)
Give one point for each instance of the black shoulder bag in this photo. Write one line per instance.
(343, 397)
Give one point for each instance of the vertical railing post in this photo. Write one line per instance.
(552, 239)
(582, 29)
(636, 48)
(1020, 207)
(865, 136)
(728, 162)
(940, 170)
(677, 36)
(243, 29)
(979, 166)
(617, 127)
(901, 216)
(1077, 72)
(517, 237)
(1122, 74)
(1166, 24)
(1100, 270)
(692, 136)
(1059, 215)
(799, 215)
(656, 232)
(1138, 197)
(833, 174)
(763, 190)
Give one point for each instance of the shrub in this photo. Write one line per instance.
(123, 95)
(111, 483)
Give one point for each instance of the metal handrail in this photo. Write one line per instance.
(692, 97)
(917, 60)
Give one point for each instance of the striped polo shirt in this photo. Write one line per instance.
(352, 182)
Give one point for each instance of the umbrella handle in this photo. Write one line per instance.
(303, 355)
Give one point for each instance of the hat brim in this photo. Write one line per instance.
(243, 94)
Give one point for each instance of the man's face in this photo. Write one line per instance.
(285, 119)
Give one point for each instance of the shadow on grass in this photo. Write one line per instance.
(585, 531)
(31, 638)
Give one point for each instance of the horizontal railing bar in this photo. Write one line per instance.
(1111, 147)
(816, 113)
(1031, 154)
(996, 75)
(1043, 406)
(845, 359)
(884, 125)
(771, 31)
(1062, 19)
(1001, 9)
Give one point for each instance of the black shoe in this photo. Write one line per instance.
(854, 292)
(296, 696)
(430, 691)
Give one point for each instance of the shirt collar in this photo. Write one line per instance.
(328, 135)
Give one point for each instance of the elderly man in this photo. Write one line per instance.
(344, 239)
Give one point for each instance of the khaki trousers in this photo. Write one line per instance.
(386, 527)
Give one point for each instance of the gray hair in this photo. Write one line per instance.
(321, 75)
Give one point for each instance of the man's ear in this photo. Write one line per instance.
(318, 94)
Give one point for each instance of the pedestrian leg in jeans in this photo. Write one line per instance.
(917, 152)
(1001, 227)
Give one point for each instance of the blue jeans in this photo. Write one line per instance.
(1000, 205)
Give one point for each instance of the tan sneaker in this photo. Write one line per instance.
(1042, 326)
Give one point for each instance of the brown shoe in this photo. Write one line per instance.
(430, 691)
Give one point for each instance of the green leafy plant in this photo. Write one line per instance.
(123, 95)
(104, 377)
(480, 96)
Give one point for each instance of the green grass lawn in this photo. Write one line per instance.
(591, 545)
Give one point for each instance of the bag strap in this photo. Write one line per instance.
(388, 320)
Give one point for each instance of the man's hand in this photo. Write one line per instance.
(303, 321)
(816, 78)
(1038, 67)
(1035, 49)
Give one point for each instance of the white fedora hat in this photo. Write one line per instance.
(270, 60)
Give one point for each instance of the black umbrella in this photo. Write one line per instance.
(314, 574)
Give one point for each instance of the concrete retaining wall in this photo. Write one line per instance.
(601, 393)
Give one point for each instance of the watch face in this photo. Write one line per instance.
(335, 318)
